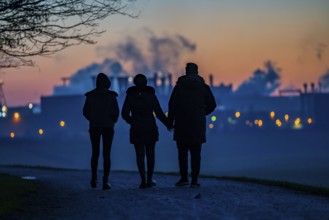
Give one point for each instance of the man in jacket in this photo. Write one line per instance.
(190, 102)
(102, 111)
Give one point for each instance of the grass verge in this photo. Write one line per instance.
(13, 192)
(314, 190)
(38, 167)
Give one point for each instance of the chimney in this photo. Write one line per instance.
(313, 87)
(305, 87)
(65, 80)
(123, 83)
(93, 78)
(155, 80)
(211, 80)
(163, 83)
(170, 79)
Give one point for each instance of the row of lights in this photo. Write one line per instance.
(17, 118)
(4, 111)
(40, 131)
(297, 122)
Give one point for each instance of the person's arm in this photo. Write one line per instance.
(116, 111)
(210, 103)
(159, 113)
(125, 112)
(172, 106)
(86, 109)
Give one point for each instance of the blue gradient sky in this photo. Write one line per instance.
(233, 38)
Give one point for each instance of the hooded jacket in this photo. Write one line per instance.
(190, 102)
(101, 106)
(137, 110)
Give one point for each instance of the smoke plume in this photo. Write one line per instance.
(320, 48)
(146, 54)
(150, 53)
(262, 82)
(324, 81)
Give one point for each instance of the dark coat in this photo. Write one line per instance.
(138, 111)
(101, 106)
(190, 102)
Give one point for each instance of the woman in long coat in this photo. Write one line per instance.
(138, 110)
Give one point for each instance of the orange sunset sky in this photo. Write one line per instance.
(232, 38)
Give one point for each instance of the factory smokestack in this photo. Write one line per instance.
(305, 87)
(313, 87)
(211, 80)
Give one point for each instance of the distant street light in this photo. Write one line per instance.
(62, 123)
(16, 117)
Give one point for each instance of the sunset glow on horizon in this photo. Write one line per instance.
(232, 39)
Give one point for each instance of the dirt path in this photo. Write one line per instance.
(66, 195)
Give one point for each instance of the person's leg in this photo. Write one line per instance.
(150, 155)
(107, 137)
(195, 151)
(95, 141)
(140, 155)
(183, 164)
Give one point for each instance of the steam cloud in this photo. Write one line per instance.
(262, 82)
(150, 53)
(153, 54)
(324, 81)
(320, 48)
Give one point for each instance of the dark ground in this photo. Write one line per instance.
(65, 194)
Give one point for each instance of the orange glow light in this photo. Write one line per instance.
(286, 117)
(62, 123)
(237, 114)
(309, 121)
(16, 117)
(297, 122)
(12, 134)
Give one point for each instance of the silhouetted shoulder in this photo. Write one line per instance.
(90, 92)
(112, 93)
(180, 79)
(135, 90)
(190, 82)
(101, 91)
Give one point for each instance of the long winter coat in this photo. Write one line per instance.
(101, 106)
(190, 102)
(137, 110)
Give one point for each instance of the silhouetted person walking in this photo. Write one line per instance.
(190, 102)
(137, 110)
(102, 111)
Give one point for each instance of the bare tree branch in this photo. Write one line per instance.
(42, 27)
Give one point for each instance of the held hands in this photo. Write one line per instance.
(170, 127)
